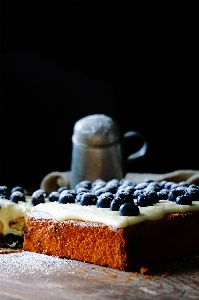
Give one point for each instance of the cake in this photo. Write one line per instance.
(14, 206)
(118, 224)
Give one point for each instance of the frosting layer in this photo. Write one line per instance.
(75, 211)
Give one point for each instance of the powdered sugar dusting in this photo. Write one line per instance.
(30, 263)
(95, 130)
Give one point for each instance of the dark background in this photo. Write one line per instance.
(136, 61)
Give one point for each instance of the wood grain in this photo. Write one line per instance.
(30, 276)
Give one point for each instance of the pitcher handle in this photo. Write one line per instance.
(142, 150)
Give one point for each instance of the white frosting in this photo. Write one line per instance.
(10, 211)
(75, 211)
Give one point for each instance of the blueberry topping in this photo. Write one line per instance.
(17, 188)
(145, 199)
(183, 183)
(162, 184)
(62, 188)
(104, 200)
(17, 196)
(88, 199)
(126, 182)
(13, 241)
(100, 191)
(120, 198)
(40, 191)
(163, 194)
(136, 193)
(98, 182)
(116, 203)
(72, 192)
(141, 186)
(129, 209)
(4, 197)
(37, 197)
(129, 189)
(83, 184)
(125, 195)
(184, 200)
(174, 193)
(66, 198)
(193, 192)
(79, 195)
(53, 196)
(4, 190)
(168, 185)
(97, 187)
(82, 189)
(112, 186)
(148, 180)
(153, 186)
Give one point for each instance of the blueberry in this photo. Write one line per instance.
(88, 199)
(111, 187)
(152, 195)
(84, 184)
(98, 181)
(141, 186)
(82, 189)
(116, 203)
(194, 193)
(163, 194)
(17, 196)
(174, 193)
(168, 185)
(17, 188)
(120, 199)
(100, 191)
(37, 197)
(183, 183)
(124, 195)
(66, 198)
(40, 191)
(4, 190)
(4, 197)
(53, 196)
(13, 241)
(153, 186)
(148, 180)
(145, 199)
(162, 184)
(184, 200)
(97, 187)
(72, 192)
(62, 188)
(136, 193)
(104, 200)
(78, 197)
(129, 209)
(194, 186)
(127, 182)
(130, 189)
(173, 186)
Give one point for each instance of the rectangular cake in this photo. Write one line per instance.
(130, 248)
(164, 229)
(118, 224)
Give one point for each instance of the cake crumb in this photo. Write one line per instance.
(144, 270)
(165, 274)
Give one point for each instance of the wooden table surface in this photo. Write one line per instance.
(30, 276)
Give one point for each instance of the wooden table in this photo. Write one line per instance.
(31, 276)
